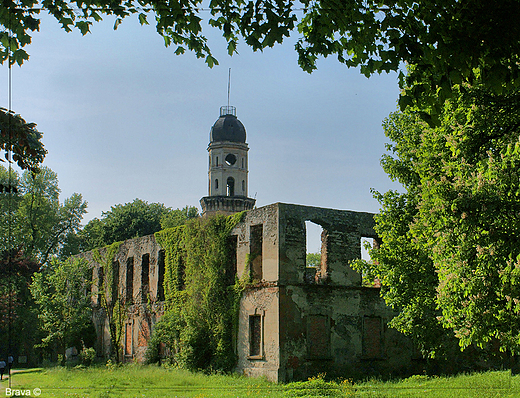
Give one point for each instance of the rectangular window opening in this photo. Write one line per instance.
(130, 280)
(145, 276)
(318, 336)
(160, 279)
(372, 337)
(181, 274)
(232, 267)
(100, 281)
(115, 280)
(128, 340)
(255, 250)
(316, 252)
(255, 336)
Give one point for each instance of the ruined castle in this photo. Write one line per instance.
(300, 320)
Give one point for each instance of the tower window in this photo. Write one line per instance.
(243, 186)
(230, 186)
(230, 159)
(216, 183)
(216, 164)
(242, 162)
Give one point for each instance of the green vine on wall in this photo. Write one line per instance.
(202, 294)
(111, 301)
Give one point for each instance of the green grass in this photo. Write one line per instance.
(153, 381)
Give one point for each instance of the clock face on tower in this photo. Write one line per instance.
(230, 159)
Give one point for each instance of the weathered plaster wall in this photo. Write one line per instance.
(294, 321)
(327, 322)
(140, 293)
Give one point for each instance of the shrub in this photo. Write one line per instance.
(87, 355)
(318, 387)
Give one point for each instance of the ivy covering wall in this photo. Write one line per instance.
(202, 294)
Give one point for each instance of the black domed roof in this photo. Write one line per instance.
(228, 128)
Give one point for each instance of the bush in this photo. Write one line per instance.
(87, 355)
(318, 387)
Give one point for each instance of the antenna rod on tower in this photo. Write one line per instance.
(228, 86)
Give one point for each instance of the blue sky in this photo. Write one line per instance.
(123, 117)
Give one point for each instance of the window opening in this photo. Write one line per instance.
(101, 277)
(316, 252)
(372, 336)
(115, 280)
(255, 335)
(216, 183)
(230, 159)
(318, 336)
(128, 339)
(232, 268)
(129, 280)
(145, 276)
(366, 245)
(216, 164)
(230, 186)
(181, 274)
(255, 250)
(242, 162)
(244, 187)
(160, 281)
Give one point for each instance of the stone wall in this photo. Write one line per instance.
(314, 320)
(294, 321)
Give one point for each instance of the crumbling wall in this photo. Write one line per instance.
(313, 320)
(293, 321)
(139, 271)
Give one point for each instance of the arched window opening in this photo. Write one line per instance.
(230, 186)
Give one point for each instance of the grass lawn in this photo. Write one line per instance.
(153, 381)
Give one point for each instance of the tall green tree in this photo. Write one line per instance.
(127, 221)
(449, 258)
(33, 218)
(178, 217)
(18, 313)
(62, 294)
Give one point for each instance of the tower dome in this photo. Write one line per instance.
(228, 127)
(228, 166)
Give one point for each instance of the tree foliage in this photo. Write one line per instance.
(21, 139)
(62, 293)
(445, 43)
(127, 221)
(18, 315)
(313, 260)
(450, 256)
(32, 217)
(178, 217)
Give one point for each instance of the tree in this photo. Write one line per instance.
(444, 43)
(177, 217)
(314, 260)
(131, 220)
(62, 293)
(18, 315)
(20, 138)
(33, 218)
(450, 256)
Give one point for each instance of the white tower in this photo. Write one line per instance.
(228, 166)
